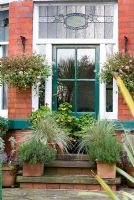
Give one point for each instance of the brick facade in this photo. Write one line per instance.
(20, 24)
(126, 28)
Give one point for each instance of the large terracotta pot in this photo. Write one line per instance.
(105, 170)
(8, 176)
(130, 171)
(33, 170)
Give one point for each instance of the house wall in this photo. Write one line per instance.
(20, 24)
(126, 28)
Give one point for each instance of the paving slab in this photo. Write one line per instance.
(40, 194)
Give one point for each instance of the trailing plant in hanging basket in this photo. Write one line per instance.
(121, 65)
(24, 71)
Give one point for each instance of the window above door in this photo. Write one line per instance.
(88, 21)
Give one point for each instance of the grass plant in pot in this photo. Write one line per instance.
(33, 155)
(103, 147)
(9, 167)
(47, 131)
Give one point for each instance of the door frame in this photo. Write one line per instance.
(97, 69)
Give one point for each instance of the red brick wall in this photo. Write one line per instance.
(20, 24)
(126, 28)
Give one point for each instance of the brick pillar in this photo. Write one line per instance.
(126, 28)
(20, 24)
(123, 110)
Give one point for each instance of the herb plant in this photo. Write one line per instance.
(23, 71)
(100, 140)
(35, 151)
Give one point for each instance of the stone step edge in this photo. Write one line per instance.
(71, 164)
(76, 179)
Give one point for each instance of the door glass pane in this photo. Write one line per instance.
(66, 63)
(86, 63)
(65, 92)
(86, 96)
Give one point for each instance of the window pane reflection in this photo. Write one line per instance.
(86, 97)
(65, 63)
(86, 63)
(65, 92)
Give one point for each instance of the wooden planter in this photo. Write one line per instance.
(105, 170)
(8, 176)
(130, 171)
(33, 170)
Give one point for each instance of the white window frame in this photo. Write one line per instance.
(102, 42)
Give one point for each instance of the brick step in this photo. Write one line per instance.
(65, 182)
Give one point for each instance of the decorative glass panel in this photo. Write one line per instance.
(4, 26)
(76, 21)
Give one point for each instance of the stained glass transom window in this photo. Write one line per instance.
(76, 21)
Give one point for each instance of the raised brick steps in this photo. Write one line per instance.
(83, 182)
(67, 172)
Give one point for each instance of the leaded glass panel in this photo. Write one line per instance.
(76, 21)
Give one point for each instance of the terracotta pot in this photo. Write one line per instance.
(33, 170)
(8, 176)
(105, 170)
(130, 171)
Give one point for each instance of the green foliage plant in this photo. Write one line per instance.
(40, 113)
(23, 71)
(121, 65)
(101, 142)
(35, 151)
(65, 118)
(4, 126)
(74, 125)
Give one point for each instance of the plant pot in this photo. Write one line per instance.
(105, 170)
(8, 176)
(33, 170)
(130, 171)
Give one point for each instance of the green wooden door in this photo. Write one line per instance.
(75, 78)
